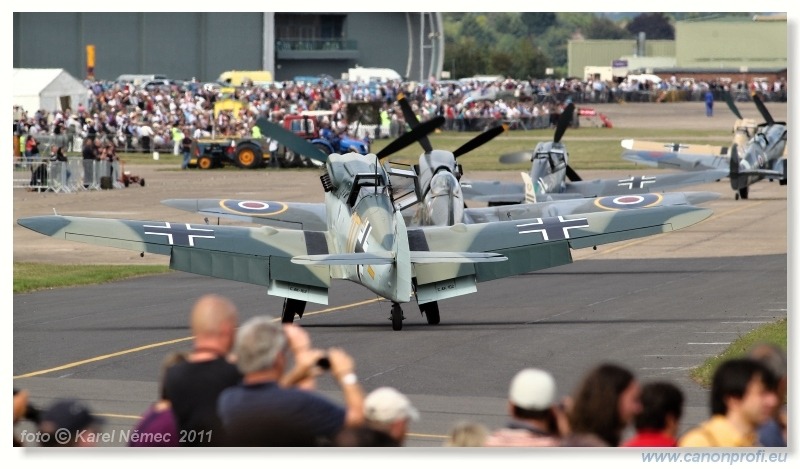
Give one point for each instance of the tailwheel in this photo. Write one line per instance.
(431, 312)
(397, 317)
(290, 308)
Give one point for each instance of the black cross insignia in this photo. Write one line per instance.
(634, 182)
(363, 239)
(676, 146)
(553, 227)
(179, 235)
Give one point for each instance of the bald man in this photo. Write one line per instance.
(194, 386)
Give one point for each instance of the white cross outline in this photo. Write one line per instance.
(629, 182)
(543, 231)
(169, 235)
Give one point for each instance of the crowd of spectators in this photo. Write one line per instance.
(255, 384)
(158, 117)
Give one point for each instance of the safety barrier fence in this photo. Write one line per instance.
(75, 174)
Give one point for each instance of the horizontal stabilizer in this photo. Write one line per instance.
(766, 173)
(354, 258)
(426, 257)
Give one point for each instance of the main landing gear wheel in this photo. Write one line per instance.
(431, 312)
(290, 308)
(397, 317)
(743, 193)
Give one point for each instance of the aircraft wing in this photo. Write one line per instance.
(260, 256)
(493, 191)
(291, 215)
(643, 184)
(534, 244)
(584, 205)
(688, 157)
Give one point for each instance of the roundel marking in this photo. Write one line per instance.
(252, 207)
(624, 202)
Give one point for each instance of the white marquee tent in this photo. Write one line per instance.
(51, 89)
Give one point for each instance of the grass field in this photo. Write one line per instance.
(775, 333)
(30, 277)
(589, 147)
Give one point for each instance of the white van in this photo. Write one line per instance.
(139, 80)
(367, 75)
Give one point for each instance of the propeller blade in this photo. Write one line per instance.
(516, 157)
(480, 140)
(411, 118)
(763, 109)
(408, 138)
(732, 105)
(572, 175)
(563, 122)
(290, 140)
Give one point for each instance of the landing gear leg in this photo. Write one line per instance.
(290, 307)
(431, 312)
(397, 317)
(743, 193)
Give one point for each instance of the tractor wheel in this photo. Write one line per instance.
(249, 156)
(141, 182)
(205, 162)
(311, 162)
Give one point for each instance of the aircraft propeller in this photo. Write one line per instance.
(762, 109)
(732, 105)
(416, 133)
(411, 118)
(561, 127)
(307, 149)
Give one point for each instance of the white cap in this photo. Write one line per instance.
(532, 389)
(387, 405)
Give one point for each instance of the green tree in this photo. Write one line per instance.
(500, 63)
(604, 28)
(466, 58)
(477, 26)
(528, 61)
(554, 41)
(538, 22)
(508, 25)
(654, 25)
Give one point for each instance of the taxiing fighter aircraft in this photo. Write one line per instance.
(550, 170)
(366, 240)
(751, 157)
(436, 188)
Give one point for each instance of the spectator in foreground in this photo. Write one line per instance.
(531, 405)
(467, 434)
(743, 398)
(773, 432)
(266, 409)
(657, 424)
(68, 422)
(387, 410)
(158, 426)
(605, 403)
(194, 385)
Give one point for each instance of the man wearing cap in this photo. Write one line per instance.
(387, 410)
(69, 423)
(531, 399)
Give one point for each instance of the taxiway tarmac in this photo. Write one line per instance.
(659, 306)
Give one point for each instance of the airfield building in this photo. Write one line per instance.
(203, 45)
